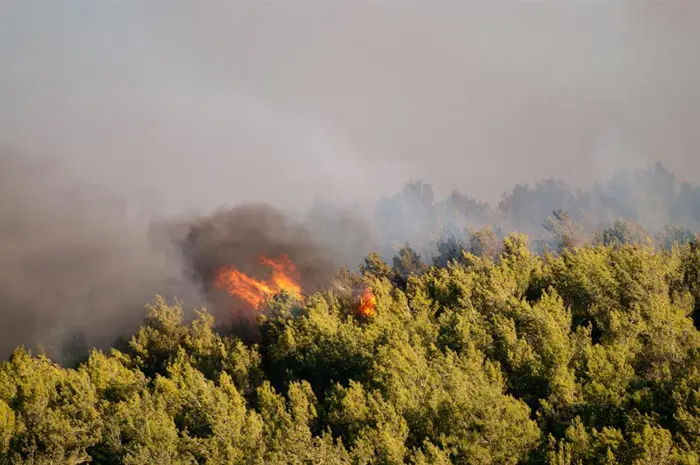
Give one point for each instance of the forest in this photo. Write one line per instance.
(562, 344)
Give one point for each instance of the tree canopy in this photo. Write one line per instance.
(496, 356)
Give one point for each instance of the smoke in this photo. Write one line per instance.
(171, 108)
(240, 236)
(79, 260)
(277, 103)
(73, 259)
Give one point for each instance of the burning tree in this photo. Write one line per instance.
(284, 277)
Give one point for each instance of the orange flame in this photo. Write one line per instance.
(284, 278)
(367, 303)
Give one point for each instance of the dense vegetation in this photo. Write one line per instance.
(500, 356)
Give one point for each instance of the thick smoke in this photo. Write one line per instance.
(172, 106)
(282, 101)
(74, 260)
(240, 236)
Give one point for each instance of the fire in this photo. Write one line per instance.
(284, 277)
(367, 303)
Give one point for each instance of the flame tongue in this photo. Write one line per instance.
(367, 303)
(284, 275)
(284, 278)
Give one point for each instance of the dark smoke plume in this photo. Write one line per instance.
(76, 262)
(240, 236)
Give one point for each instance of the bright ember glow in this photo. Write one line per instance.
(367, 303)
(284, 277)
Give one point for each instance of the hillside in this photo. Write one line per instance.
(589, 356)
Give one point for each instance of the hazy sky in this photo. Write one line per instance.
(207, 103)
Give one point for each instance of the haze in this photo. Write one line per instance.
(182, 106)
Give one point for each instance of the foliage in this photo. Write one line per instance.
(497, 356)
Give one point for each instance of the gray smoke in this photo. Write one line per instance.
(77, 260)
(171, 107)
(239, 237)
(73, 259)
(280, 101)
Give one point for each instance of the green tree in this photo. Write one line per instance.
(407, 263)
